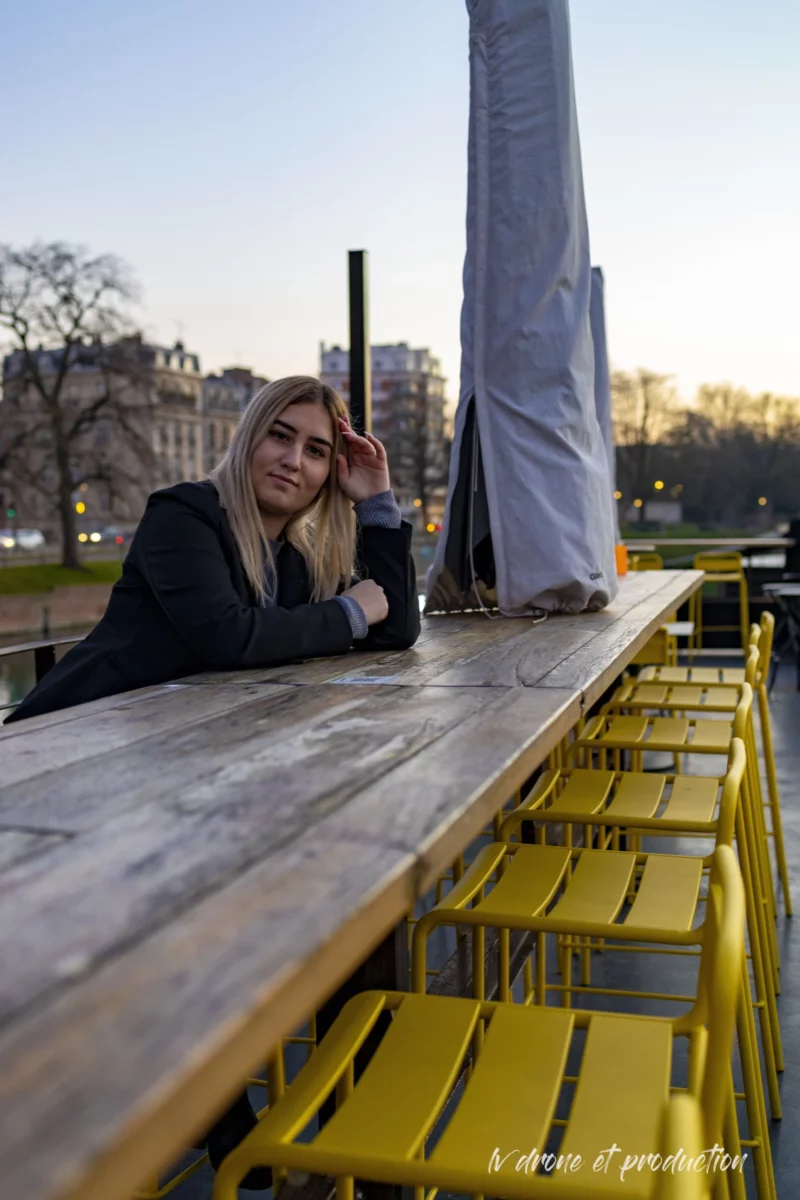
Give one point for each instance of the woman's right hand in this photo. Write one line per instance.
(372, 598)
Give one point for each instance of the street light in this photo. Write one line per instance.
(83, 537)
(762, 500)
(617, 495)
(658, 485)
(418, 503)
(80, 507)
(638, 503)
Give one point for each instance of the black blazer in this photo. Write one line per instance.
(184, 604)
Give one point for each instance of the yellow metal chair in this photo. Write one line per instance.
(719, 568)
(667, 696)
(662, 893)
(612, 734)
(663, 646)
(383, 1126)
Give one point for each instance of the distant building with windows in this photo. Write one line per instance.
(225, 396)
(408, 416)
(146, 419)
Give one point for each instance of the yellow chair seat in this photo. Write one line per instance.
(629, 797)
(380, 1128)
(665, 896)
(586, 792)
(680, 697)
(661, 734)
(707, 676)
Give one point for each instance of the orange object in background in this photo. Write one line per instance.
(621, 553)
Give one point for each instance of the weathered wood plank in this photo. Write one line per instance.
(471, 650)
(78, 712)
(84, 732)
(84, 1058)
(99, 1088)
(406, 770)
(16, 844)
(594, 666)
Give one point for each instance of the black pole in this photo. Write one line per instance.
(360, 360)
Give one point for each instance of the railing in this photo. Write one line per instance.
(44, 657)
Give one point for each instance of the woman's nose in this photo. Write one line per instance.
(291, 457)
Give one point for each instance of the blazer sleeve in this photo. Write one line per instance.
(179, 553)
(385, 556)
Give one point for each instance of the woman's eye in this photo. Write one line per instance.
(316, 451)
(278, 433)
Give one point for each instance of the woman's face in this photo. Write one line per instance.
(291, 464)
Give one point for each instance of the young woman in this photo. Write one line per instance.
(294, 548)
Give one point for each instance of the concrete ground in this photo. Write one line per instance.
(676, 974)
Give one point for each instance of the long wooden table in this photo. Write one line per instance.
(189, 870)
(584, 652)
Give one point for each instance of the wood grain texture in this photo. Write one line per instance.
(471, 650)
(205, 918)
(32, 750)
(594, 666)
(397, 767)
(17, 844)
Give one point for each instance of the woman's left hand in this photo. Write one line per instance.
(364, 470)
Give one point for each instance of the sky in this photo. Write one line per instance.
(233, 152)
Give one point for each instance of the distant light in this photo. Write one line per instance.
(617, 495)
(95, 537)
(417, 504)
(658, 485)
(438, 528)
(119, 540)
(638, 503)
(11, 512)
(82, 537)
(80, 507)
(762, 500)
(678, 487)
(431, 528)
(8, 543)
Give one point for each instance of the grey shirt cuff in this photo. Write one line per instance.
(355, 615)
(379, 510)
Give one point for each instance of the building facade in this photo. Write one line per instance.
(139, 417)
(225, 396)
(408, 416)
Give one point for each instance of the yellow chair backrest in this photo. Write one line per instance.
(645, 562)
(715, 564)
(767, 628)
(655, 652)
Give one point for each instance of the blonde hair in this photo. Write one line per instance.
(325, 532)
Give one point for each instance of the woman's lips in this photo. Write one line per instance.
(283, 479)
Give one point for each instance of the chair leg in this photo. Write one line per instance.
(733, 1146)
(774, 798)
(754, 1092)
(764, 992)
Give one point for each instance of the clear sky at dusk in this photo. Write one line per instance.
(233, 152)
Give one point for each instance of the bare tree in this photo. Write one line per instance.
(66, 311)
(643, 410)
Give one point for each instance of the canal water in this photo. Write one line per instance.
(17, 674)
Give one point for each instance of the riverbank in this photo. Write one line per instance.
(42, 598)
